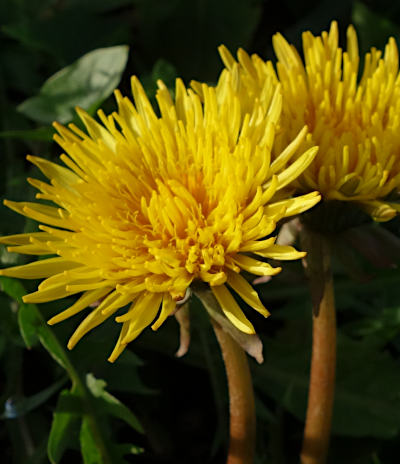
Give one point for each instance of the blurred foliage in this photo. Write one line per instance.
(150, 407)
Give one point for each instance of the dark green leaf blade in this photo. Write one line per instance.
(64, 427)
(109, 404)
(85, 83)
(90, 451)
(32, 324)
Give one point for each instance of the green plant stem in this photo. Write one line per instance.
(242, 426)
(323, 360)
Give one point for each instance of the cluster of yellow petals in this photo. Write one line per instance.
(147, 203)
(354, 121)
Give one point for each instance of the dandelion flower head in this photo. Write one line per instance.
(355, 122)
(148, 202)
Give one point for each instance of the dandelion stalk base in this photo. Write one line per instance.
(242, 427)
(323, 361)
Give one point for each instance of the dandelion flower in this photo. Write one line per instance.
(148, 203)
(355, 123)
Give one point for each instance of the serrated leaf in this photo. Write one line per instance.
(64, 427)
(85, 83)
(109, 404)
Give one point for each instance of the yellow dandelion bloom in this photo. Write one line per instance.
(355, 122)
(146, 204)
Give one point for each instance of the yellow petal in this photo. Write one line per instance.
(296, 205)
(283, 158)
(255, 245)
(141, 308)
(232, 310)
(52, 171)
(246, 292)
(25, 239)
(119, 346)
(115, 301)
(41, 213)
(226, 56)
(49, 294)
(83, 302)
(141, 315)
(32, 249)
(296, 168)
(39, 269)
(96, 131)
(281, 252)
(168, 307)
(379, 211)
(95, 318)
(255, 267)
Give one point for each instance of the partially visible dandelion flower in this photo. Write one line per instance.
(148, 204)
(355, 123)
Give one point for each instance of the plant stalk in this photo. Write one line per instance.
(323, 360)
(242, 426)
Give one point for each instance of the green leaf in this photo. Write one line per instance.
(85, 83)
(90, 451)
(27, 320)
(32, 324)
(27, 317)
(109, 404)
(64, 426)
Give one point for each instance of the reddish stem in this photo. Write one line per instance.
(323, 361)
(241, 400)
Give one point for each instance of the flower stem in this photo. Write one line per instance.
(241, 400)
(323, 360)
